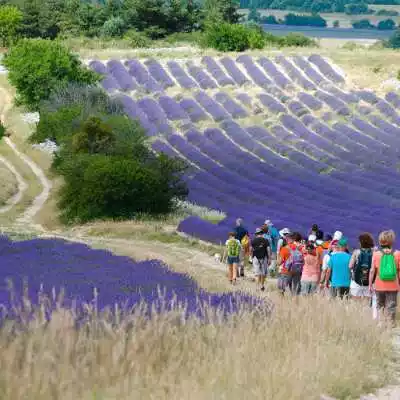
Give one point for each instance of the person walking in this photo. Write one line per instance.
(385, 276)
(311, 271)
(232, 252)
(282, 241)
(339, 271)
(241, 233)
(261, 255)
(284, 275)
(274, 238)
(360, 266)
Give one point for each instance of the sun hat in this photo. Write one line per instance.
(267, 222)
(312, 238)
(319, 242)
(284, 231)
(258, 231)
(342, 242)
(337, 235)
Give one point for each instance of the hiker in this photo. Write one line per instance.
(284, 276)
(311, 270)
(360, 266)
(336, 237)
(385, 276)
(339, 271)
(282, 241)
(274, 235)
(240, 233)
(261, 254)
(317, 232)
(328, 249)
(245, 252)
(232, 251)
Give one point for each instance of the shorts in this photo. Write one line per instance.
(357, 290)
(339, 291)
(308, 287)
(233, 260)
(260, 266)
(388, 301)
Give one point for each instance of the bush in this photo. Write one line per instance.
(363, 24)
(357, 8)
(388, 13)
(184, 37)
(394, 41)
(256, 38)
(387, 24)
(137, 39)
(2, 130)
(298, 40)
(227, 37)
(10, 22)
(269, 20)
(38, 67)
(113, 27)
(336, 24)
(304, 20)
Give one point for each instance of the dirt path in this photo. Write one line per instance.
(22, 186)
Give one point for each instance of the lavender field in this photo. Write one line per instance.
(286, 138)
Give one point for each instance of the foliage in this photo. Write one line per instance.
(220, 11)
(298, 40)
(2, 130)
(304, 20)
(388, 13)
(184, 37)
(10, 22)
(357, 8)
(394, 40)
(228, 37)
(387, 24)
(256, 38)
(113, 27)
(137, 39)
(362, 24)
(336, 23)
(254, 15)
(37, 67)
(269, 20)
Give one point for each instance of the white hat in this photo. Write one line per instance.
(268, 222)
(337, 235)
(312, 238)
(284, 231)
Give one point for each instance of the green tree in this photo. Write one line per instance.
(37, 67)
(363, 24)
(2, 130)
(387, 24)
(220, 11)
(10, 22)
(336, 23)
(113, 27)
(394, 41)
(254, 15)
(357, 8)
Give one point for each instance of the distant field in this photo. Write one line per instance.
(344, 20)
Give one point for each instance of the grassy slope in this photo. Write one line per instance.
(8, 184)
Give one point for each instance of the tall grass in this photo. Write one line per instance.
(306, 348)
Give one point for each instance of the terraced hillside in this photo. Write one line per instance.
(284, 138)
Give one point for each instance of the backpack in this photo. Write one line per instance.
(260, 248)
(295, 262)
(245, 241)
(387, 267)
(363, 267)
(233, 248)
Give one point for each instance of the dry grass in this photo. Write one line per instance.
(8, 184)
(308, 347)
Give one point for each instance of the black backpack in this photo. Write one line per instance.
(260, 248)
(363, 267)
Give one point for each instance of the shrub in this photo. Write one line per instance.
(254, 15)
(113, 27)
(362, 24)
(394, 41)
(2, 130)
(388, 13)
(38, 67)
(357, 8)
(387, 24)
(256, 38)
(336, 24)
(304, 20)
(184, 37)
(10, 21)
(269, 20)
(227, 37)
(298, 40)
(137, 39)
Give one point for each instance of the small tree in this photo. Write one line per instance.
(38, 67)
(336, 24)
(386, 25)
(254, 15)
(10, 21)
(394, 41)
(113, 27)
(363, 24)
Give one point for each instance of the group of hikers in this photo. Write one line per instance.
(319, 264)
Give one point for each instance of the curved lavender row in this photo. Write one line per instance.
(118, 71)
(233, 70)
(110, 84)
(231, 106)
(245, 99)
(366, 96)
(298, 108)
(294, 74)
(172, 109)
(393, 98)
(98, 66)
(194, 111)
(310, 101)
(309, 71)
(201, 77)
(212, 107)
(271, 103)
(346, 97)
(272, 71)
(181, 76)
(385, 126)
(253, 71)
(155, 114)
(158, 73)
(142, 76)
(333, 102)
(387, 110)
(325, 68)
(216, 71)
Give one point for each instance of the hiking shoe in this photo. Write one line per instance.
(262, 288)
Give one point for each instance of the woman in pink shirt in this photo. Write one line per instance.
(386, 290)
(311, 270)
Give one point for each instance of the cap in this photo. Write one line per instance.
(342, 242)
(284, 231)
(312, 238)
(259, 230)
(268, 222)
(337, 235)
(319, 242)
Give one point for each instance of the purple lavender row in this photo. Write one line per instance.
(194, 111)
(233, 70)
(155, 114)
(393, 98)
(110, 84)
(118, 71)
(216, 71)
(366, 96)
(385, 126)
(98, 66)
(181, 76)
(253, 71)
(201, 77)
(309, 71)
(334, 103)
(310, 101)
(388, 111)
(294, 74)
(273, 105)
(346, 97)
(298, 108)
(212, 107)
(159, 74)
(142, 76)
(325, 68)
(231, 106)
(272, 71)
(172, 109)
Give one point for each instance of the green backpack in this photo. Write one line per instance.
(233, 248)
(387, 267)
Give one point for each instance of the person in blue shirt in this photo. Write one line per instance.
(339, 270)
(273, 238)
